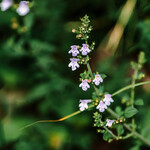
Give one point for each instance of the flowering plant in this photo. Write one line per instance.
(114, 125)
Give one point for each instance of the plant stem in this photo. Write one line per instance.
(117, 116)
(116, 137)
(134, 77)
(130, 86)
(127, 136)
(139, 136)
(91, 74)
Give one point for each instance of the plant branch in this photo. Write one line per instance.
(91, 106)
(116, 137)
(139, 136)
(130, 86)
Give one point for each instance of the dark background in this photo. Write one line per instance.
(36, 83)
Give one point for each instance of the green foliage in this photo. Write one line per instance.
(36, 84)
(130, 111)
(120, 129)
(119, 110)
(97, 119)
(139, 102)
(107, 136)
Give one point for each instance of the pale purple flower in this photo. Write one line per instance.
(85, 49)
(74, 63)
(108, 99)
(23, 8)
(84, 104)
(97, 79)
(101, 106)
(5, 4)
(74, 50)
(109, 122)
(84, 85)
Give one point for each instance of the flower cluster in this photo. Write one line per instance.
(76, 53)
(100, 100)
(104, 103)
(22, 9)
(80, 55)
(97, 80)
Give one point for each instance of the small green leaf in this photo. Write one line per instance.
(120, 129)
(101, 89)
(119, 110)
(103, 76)
(130, 111)
(139, 102)
(133, 65)
(107, 136)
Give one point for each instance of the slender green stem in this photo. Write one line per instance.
(61, 119)
(91, 74)
(130, 86)
(134, 77)
(127, 136)
(90, 70)
(116, 137)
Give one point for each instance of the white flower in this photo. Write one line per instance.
(5, 4)
(23, 8)
(101, 106)
(85, 49)
(84, 85)
(97, 79)
(108, 99)
(84, 104)
(74, 50)
(74, 63)
(109, 122)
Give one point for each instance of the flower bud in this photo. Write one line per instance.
(73, 30)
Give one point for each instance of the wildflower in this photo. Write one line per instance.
(5, 4)
(23, 8)
(74, 50)
(109, 122)
(84, 104)
(74, 63)
(108, 99)
(101, 106)
(85, 49)
(84, 85)
(97, 79)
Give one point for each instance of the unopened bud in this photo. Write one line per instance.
(73, 30)
(79, 35)
(83, 60)
(89, 81)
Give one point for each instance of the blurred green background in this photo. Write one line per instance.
(36, 83)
